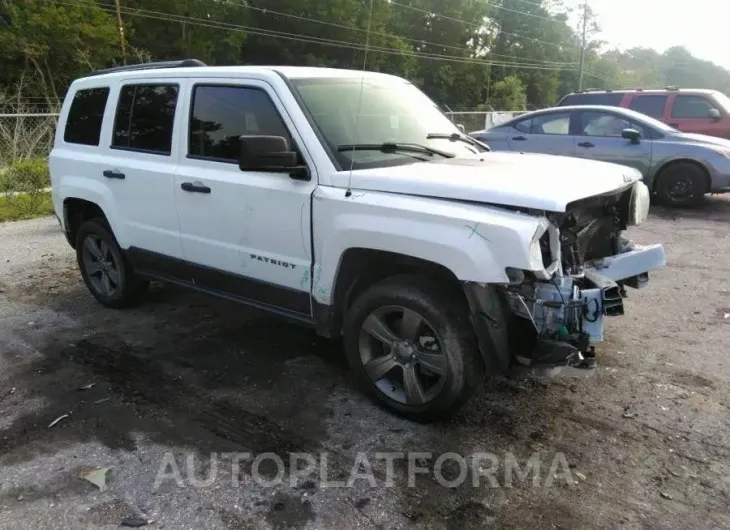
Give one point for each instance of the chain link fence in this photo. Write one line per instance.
(25, 136)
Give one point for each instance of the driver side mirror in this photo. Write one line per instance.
(270, 153)
(714, 114)
(631, 134)
(461, 127)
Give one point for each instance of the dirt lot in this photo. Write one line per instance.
(647, 438)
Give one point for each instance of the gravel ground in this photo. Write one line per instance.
(182, 379)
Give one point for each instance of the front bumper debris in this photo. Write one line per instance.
(631, 266)
(567, 313)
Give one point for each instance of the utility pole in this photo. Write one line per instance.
(583, 46)
(121, 32)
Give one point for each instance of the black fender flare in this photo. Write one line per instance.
(488, 311)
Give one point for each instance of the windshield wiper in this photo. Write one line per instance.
(392, 147)
(458, 137)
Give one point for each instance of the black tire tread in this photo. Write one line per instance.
(132, 285)
(697, 175)
(446, 304)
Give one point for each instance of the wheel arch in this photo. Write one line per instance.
(75, 212)
(359, 268)
(670, 163)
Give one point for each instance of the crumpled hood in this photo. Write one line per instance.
(543, 182)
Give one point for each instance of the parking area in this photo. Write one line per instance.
(188, 378)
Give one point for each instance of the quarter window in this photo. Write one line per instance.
(144, 118)
(83, 125)
(650, 105)
(523, 126)
(691, 107)
(220, 114)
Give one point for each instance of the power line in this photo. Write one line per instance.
(390, 35)
(602, 78)
(473, 24)
(539, 4)
(496, 6)
(310, 39)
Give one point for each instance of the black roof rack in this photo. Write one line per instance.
(150, 66)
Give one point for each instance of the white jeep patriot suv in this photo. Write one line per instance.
(347, 201)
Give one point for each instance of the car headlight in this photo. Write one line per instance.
(544, 268)
(639, 205)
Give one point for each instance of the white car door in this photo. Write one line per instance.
(243, 233)
(138, 168)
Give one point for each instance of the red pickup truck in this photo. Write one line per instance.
(689, 110)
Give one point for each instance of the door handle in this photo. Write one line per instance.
(586, 144)
(194, 188)
(111, 174)
(519, 138)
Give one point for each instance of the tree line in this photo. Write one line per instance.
(465, 54)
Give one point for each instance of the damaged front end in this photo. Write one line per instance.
(557, 310)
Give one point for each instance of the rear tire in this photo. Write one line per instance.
(681, 184)
(105, 271)
(425, 363)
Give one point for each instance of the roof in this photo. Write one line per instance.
(291, 72)
(638, 116)
(645, 91)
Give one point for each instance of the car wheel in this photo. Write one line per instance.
(412, 348)
(681, 184)
(106, 273)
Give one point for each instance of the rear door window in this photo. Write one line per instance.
(651, 105)
(83, 124)
(551, 124)
(687, 106)
(145, 117)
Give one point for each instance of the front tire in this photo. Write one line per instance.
(411, 346)
(105, 271)
(681, 184)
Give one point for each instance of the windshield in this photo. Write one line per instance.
(658, 125)
(645, 119)
(391, 111)
(722, 100)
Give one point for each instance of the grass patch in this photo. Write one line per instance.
(26, 206)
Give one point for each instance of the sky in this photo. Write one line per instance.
(702, 26)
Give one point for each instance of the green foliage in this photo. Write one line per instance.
(24, 207)
(54, 43)
(462, 53)
(24, 187)
(175, 29)
(509, 94)
(27, 176)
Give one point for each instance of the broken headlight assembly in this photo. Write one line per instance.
(639, 204)
(545, 250)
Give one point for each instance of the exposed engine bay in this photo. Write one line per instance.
(589, 229)
(587, 266)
